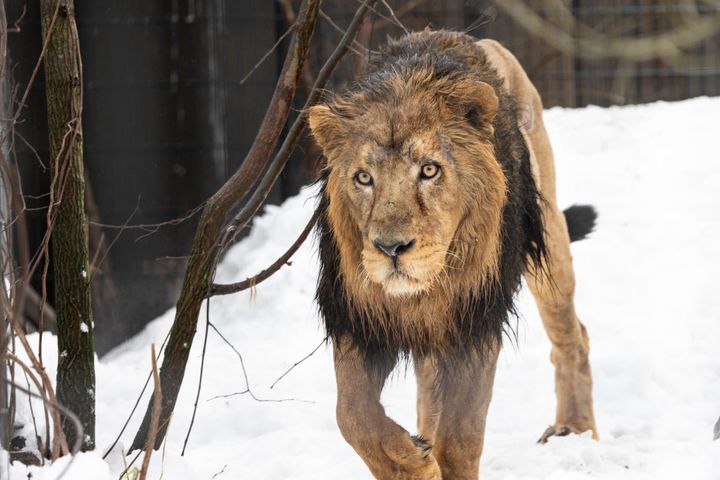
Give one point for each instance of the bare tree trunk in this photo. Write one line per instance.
(63, 78)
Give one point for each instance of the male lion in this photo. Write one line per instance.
(438, 194)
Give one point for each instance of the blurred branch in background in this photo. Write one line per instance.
(580, 40)
(611, 52)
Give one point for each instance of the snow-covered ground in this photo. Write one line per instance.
(647, 291)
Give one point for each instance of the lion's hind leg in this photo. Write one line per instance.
(553, 289)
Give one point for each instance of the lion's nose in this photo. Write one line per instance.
(393, 249)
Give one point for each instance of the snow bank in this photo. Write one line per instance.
(647, 291)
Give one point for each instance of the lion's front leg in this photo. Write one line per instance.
(465, 391)
(387, 449)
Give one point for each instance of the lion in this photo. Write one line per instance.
(438, 195)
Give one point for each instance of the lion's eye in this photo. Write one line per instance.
(429, 170)
(363, 178)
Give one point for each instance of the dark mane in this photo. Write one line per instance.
(480, 319)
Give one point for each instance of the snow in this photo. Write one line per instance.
(646, 289)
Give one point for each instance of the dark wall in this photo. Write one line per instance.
(165, 121)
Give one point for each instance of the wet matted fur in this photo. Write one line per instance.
(431, 211)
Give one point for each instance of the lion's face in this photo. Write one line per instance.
(401, 181)
(404, 203)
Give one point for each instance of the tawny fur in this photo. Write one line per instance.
(489, 217)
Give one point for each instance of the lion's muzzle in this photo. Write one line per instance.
(393, 248)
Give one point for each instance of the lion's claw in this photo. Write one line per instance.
(422, 444)
(554, 431)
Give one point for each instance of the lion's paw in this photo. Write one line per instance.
(554, 431)
(565, 430)
(422, 444)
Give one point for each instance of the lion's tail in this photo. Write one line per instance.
(580, 221)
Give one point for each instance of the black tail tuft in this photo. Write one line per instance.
(580, 221)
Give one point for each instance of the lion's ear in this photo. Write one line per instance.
(323, 124)
(476, 100)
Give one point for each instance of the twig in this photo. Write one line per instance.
(299, 362)
(129, 465)
(200, 380)
(36, 68)
(379, 14)
(406, 8)
(35, 154)
(155, 420)
(219, 473)
(268, 53)
(339, 29)
(392, 14)
(34, 306)
(222, 289)
(248, 390)
(154, 226)
(96, 265)
(137, 402)
(16, 24)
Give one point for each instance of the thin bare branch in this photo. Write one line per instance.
(339, 29)
(248, 389)
(200, 379)
(36, 68)
(137, 402)
(267, 54)
(324, 340)
(219, 473)
(392, 15)
(155, 420)
(16, 24)
(220, 289)
(153, 227)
